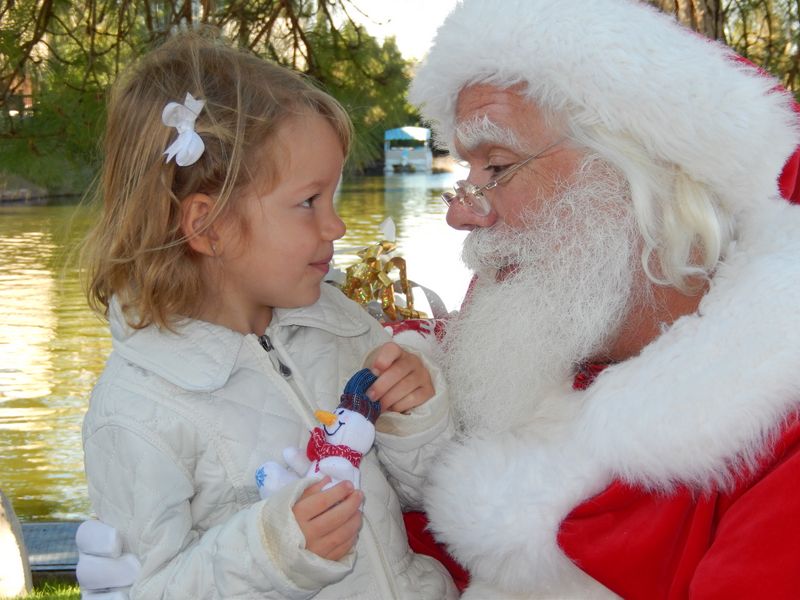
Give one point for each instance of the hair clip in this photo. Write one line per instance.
(189, 146)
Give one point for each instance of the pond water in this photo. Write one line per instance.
(52, 348)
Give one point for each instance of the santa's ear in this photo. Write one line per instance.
(201, 236)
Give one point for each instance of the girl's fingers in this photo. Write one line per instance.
(401, 391)
(385, 356)
(412, 400)
(386, 381)
(314, 502)
(338, 552)
(325, 511)
(334, 532)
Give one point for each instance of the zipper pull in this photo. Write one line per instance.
(266, 343)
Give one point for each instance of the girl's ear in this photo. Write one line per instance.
(195, 212)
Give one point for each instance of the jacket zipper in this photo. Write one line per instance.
(388, 584)
(304, 408)
(266, 343)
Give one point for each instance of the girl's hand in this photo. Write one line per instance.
(329, 520)
(403, 381)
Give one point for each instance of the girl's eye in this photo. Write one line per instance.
(309, 202)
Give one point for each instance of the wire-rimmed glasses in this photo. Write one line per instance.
(473, 197)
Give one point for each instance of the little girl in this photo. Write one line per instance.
(217, 229)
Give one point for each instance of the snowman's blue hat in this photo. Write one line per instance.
(355, 397)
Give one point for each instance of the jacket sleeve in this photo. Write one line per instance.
(407, 443)
(138, 485)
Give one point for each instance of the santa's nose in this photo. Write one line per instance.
(462, 217)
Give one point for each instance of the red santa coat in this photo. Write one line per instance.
(736, 544)
(676, 474)
(740, 544)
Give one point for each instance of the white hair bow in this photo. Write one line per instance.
(189, 146)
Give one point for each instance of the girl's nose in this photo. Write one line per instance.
(461, 217)
(332, 227)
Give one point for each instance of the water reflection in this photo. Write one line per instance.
(52, 347)
(431, 249)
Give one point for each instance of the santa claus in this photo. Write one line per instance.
(626, 371)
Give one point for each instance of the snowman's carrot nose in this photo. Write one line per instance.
(325, 417)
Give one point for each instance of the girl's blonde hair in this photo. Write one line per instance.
(137, 252)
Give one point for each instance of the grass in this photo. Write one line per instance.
(54, 591)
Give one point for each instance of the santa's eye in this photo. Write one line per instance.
(496, 169)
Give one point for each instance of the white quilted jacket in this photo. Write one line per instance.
(178, 424)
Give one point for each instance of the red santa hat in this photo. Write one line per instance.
(628, 70)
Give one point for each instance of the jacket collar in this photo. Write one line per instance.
(332, 313)
(201, 356)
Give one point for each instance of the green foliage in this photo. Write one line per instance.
(370, 80)
(54, 591)
(58, 58)
(768, 33)
(55, 144)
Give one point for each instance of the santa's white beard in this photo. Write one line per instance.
(572, 281)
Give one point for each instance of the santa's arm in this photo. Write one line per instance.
(755, 552)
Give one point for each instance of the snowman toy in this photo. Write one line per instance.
(334, 449)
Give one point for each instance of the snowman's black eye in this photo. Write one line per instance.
(340, 411)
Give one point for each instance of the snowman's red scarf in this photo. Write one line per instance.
(319, 448)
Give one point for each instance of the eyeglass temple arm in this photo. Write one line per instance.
(509, 172)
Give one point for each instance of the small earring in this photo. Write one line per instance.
(214, 249)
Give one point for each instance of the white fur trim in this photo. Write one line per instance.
(699, 403)
(623, 67)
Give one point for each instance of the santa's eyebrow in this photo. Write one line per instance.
(479, 131)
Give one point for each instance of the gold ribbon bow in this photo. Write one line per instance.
(369, 280)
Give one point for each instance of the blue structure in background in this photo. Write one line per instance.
(407, 149)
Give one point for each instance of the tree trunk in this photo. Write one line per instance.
(703, 16)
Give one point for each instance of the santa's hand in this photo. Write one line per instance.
(403, 380)
(330, 519)
(103, 571)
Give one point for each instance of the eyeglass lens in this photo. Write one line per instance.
(465, 192)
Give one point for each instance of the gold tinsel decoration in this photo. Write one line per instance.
(368, 280)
